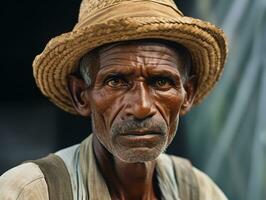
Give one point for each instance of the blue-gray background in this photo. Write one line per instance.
(225, 136)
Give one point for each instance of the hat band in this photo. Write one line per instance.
(131, 8)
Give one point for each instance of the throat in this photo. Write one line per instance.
(127, 181)
(137, 179)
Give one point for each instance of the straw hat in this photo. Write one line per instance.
(105, 21)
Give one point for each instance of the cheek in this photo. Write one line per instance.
(106, 103)
(171, 106)
(171, 102)
(172, 130)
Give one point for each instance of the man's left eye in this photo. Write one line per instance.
(162, 83)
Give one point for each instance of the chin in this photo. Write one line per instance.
(140, 154)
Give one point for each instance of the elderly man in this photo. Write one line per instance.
(134, 67)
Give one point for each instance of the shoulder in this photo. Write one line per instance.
(25, 181)
(208, 189)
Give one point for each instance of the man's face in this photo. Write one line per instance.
(136, 99)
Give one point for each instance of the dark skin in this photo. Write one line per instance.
(135, 102)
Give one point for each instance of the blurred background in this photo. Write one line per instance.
(225, 136)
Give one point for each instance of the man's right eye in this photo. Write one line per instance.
(116, 82)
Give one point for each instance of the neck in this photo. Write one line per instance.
(125, 181)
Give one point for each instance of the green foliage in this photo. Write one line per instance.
(227, 133)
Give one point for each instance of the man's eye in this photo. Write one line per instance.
(116, 82)
(162, 83)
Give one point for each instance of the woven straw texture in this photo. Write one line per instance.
(105, 21)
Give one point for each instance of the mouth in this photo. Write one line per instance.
(140, 138)
(142, 132)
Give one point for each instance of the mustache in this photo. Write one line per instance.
(130, 125)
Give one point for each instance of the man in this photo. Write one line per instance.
(134, 67)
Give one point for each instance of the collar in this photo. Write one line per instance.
(95, 183)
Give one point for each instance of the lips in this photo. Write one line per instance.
(140, 138)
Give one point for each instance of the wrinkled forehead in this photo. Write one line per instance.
(156, 45)
(152, 45)
(155, 50)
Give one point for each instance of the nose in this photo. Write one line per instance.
(140, 104)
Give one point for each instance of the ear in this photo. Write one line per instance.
(77, 89)
(190, 88)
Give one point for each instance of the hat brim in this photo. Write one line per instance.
(205, 42)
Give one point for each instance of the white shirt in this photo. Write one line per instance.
(27, 182)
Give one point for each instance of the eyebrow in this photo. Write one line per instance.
(128, 70)
(164, 72)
